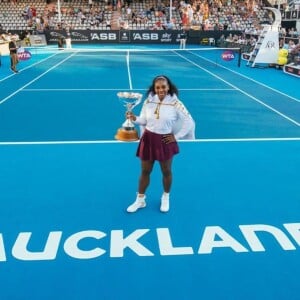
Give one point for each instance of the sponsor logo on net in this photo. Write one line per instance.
(228, 55)
(92, 244)
(23, 54)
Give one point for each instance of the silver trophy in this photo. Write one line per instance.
(128, 132)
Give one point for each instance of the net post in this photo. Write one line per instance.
(240, 56)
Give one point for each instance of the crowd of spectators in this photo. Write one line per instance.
(39, 15)
(153, 14)
(7, 37)
(246, 16)
(197, 14)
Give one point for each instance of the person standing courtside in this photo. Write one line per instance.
(13, 55)
(183, 37)
(165, 120)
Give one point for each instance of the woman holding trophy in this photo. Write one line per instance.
(163, 120)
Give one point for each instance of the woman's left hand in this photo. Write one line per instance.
(168, 138)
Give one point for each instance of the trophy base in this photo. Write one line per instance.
(127, 135)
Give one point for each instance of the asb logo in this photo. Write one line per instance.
(23, 54)
(103, 36)
(228, 55)
(145, 36)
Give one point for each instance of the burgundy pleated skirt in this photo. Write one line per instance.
(152, 147)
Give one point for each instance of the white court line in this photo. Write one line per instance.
(208, 89)
(87, 89)
(71, 90)
(22, 70)
(243, 92)
(119, 142)
(128, 70)
(249, 78)
(35, 79)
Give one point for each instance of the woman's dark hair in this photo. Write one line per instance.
(173, 89)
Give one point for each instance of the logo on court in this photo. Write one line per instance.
(250, 238)
(24, 54)
(228, 55)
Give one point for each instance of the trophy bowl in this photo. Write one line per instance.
(127, 132)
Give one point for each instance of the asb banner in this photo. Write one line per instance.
(116, 36)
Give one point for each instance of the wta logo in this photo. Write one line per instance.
(24, 54)
(228, 55)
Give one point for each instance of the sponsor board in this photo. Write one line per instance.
(246, 56)
(133, 36)
(116, 36)
(38, 40)
(292, 69)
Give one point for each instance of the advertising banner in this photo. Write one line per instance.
(116, 36)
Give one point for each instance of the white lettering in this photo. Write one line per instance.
(72, 249)
(137, 36)
(118, 243)
(2, 249)
(112, 36)
(20, 251)
(249, 232)
(145, 36)
(213, 237)
(103, 36)
(208, 240)
(165, 244)
(294, 230)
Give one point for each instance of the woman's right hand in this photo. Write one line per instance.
(130, 115)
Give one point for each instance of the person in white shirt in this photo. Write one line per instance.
(164, 120)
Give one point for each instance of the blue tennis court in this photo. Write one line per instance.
(233, 229)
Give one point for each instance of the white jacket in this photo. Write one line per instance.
(167, 116)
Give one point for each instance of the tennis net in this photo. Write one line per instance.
(145, 57)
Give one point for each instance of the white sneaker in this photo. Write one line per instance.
(138, 203)
(165, 205)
